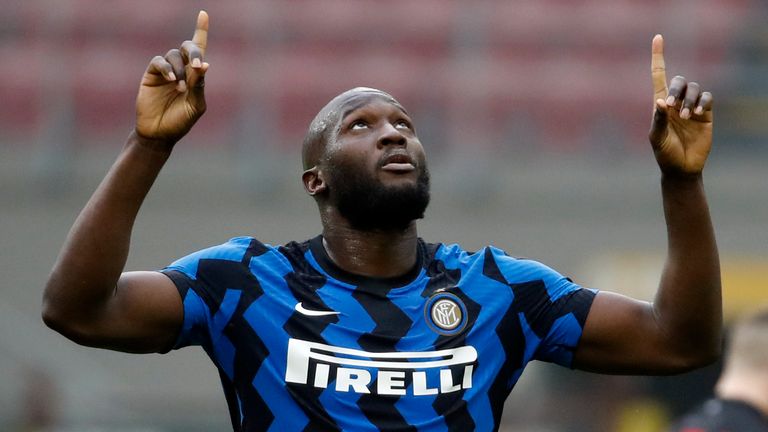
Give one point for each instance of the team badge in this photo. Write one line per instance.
(445, 313)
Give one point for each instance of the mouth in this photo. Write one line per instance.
(398, 162)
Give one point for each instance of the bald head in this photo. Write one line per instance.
(326, 123)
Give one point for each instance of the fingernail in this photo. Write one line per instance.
(171, 76)
(181, 86)
(671, 100)
(699, 110)
(196, 63)
(685, 113)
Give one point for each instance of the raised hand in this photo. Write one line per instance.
(681, 129)
(171, 96)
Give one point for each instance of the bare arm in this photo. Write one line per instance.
(681, 329)
(88, 298)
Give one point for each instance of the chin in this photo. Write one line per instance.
(390, 201)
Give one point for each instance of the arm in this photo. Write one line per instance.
(88, 298)
(681, 329)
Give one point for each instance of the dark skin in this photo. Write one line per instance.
(89, 298)
(372, 135)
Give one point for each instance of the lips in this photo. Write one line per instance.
(398, 162)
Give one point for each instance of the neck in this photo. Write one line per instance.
(750, 388)
(380, 254)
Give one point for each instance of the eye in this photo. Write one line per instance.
(358, 124)
(402, 124)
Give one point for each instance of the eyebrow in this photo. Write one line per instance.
(365, 102)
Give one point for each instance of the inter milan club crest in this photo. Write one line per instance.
(445, 313)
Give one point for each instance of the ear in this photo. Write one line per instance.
(313, 181)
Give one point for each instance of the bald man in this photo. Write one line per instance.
(366, 326)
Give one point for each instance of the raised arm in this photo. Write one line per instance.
(88, 298)
(681, 329)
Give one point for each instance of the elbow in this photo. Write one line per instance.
(52, 312)
(708, 355)
(691, 359)
(66, 324)
(83, 314)
(66, 314)
(56, 320)
(698, 361)
(692, 346)
(707, 349)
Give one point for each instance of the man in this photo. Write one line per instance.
(741, 402)
(368, 327)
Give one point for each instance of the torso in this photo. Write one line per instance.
(302, 344)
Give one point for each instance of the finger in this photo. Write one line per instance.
(159, 66)
(200, 38)
(692, 93)
(192, 54)
(676, 90)
(658, 69)
(196, 93)
(195, 77)
(659, 123)
(177, 62)
(705, 103)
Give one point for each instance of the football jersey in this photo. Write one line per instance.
(301, 344)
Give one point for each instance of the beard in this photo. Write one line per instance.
(369, 205)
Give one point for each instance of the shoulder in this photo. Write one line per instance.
(232, 249)
(493, 259)
(453, 255)
(522, 275)
(236, 250)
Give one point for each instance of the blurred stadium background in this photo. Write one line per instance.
(534, 114)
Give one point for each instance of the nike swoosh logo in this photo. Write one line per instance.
(300, 309)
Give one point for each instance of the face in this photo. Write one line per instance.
(375, 166)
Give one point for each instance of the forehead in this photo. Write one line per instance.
(362, 99)
(324, 129)
(330, 116)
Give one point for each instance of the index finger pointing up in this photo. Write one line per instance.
(200, 38)
(658, 69)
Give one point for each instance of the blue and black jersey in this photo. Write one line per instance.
(303, 345)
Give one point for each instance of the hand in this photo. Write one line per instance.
(171, 96)
(681, 130)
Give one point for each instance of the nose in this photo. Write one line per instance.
(391, 136)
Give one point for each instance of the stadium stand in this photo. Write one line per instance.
(476, 67)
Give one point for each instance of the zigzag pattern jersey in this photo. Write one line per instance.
(302, 345)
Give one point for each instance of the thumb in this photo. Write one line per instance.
(196, 83)
(659, 123)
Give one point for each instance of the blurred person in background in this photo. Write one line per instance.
(367, 326)
(741, 394)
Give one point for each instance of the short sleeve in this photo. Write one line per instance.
(565, 316)
(194, 329)
(199, 277)
(552, 309)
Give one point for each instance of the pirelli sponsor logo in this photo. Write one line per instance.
(384, 373)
